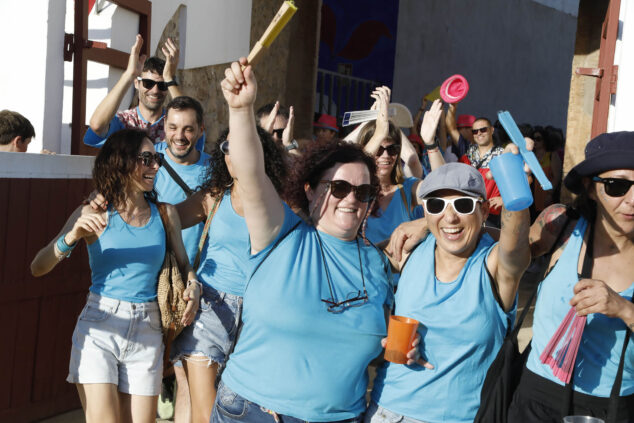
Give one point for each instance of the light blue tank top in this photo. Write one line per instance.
(381, 227)
(170, 192)
(462, 329)
(225, 260)
(602, 340)
(293, 356)
(125, 260)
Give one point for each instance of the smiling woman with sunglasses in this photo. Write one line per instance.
(461, 286)
(597, 241)
(315, 303)
(117, 347)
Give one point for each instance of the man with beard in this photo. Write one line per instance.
(152, 78)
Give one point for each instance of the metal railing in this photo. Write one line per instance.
(338, 93)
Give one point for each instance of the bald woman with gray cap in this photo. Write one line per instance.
(461, 286)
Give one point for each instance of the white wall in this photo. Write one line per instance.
(620, 116)
(31, 74)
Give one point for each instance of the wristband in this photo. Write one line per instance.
(432, 146)
(171, 83)
(64, 248)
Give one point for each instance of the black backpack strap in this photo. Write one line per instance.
(177, 178)
(616, 388)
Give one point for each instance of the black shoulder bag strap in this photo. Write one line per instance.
(221, 366)
(615, 394)
(177, 178)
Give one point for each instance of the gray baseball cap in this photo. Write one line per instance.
(459, 177)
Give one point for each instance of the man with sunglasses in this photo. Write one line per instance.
(152, 78)
(479, 155)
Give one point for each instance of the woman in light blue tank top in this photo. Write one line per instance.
(601, 245)
(315, 301)
(461, 286)
(223, 271)
(116, 357)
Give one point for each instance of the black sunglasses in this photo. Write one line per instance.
(148, 159)
(462, 205)
(354, 300)
(224, 147)
(278, 132)
(340, 189)
(150, 83)
(392, 150)
(615, 187)
(480, 130)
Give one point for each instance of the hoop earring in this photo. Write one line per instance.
(230, 184)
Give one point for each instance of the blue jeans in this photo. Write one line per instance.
(378, 414)
(231, 407)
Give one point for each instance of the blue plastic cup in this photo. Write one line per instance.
(508, 173)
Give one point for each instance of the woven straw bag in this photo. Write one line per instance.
(170, 288)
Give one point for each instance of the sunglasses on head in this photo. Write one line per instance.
(340, 189)
(224, 147)
(150, 83)
(462, 205)
(615, 187)
(148, 159)
(480, 130)
(392, 150)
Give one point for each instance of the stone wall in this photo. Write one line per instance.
(286, 72)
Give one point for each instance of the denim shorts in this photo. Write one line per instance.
(230, 407)
(118, 342)
(378, 414)
(213, 329)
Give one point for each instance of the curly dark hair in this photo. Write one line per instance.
(218, 179)
(393, 134)
(114, 164)
(316, 160)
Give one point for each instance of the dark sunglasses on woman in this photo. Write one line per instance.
(462, 205)
(340, 189)
(150, 83)
(392, 150)
(615, 187)
(148, 159)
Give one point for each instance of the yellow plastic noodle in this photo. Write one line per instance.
(433, 94)
(278, 23)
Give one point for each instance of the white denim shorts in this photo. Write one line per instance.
(118, 342)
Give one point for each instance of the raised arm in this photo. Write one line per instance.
(428, 134)
(409, 156)
(450, 123)
(192, 211)
(263, 208)
(353, 136)
(382, 97)
(511, 256)
(171, 52)
(105, 111)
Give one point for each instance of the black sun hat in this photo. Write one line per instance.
(609, 151)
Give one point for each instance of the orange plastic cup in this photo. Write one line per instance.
(400, 335)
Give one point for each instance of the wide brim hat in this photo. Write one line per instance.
(609, 151)
(454, 89)
(454, 176)
(327, 122)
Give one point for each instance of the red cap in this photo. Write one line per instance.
(465, 121)
(327, 121)
(454, 89)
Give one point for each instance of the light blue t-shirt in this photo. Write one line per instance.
(225, 260)
(170, 192)
(462, 328)
(381, 227)
(602, 340)
(295, 357)
(125, 260)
